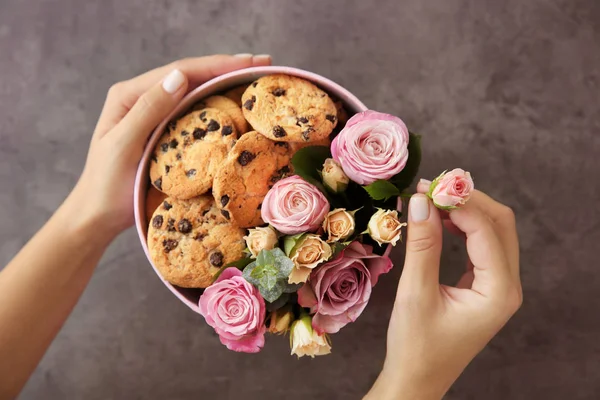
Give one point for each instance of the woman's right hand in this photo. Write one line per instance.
(436, 330)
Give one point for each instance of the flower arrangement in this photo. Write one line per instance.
(311, 270)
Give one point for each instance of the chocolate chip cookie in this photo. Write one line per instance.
(289, 109)
(227, 106)
(236, 93)
(189, 240)
(253, 166)
(190, 151)
(154, 198)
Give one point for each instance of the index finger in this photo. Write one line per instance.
(122, 96)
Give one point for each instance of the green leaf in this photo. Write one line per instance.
(265, 258)
(266, 275)
(337, 248)
(382, 190)
(405, 178)
(289, 242)
(308, 161)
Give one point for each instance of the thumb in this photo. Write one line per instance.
(423, 245)
(151, 108)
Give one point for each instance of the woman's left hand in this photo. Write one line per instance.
(133, 108)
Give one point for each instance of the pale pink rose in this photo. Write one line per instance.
(452, 189)
(236, 310)
(294, 206)
(338, 291)
(371, 146)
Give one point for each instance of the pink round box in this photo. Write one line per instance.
(190, 296)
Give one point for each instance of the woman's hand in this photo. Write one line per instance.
(436, 330)
(104, 194)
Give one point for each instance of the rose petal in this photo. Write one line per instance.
(306, 297)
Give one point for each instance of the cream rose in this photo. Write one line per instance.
(305, 341)
(339, 225)
(280, 320)
(334, 176)
(261, 239)
(310, 250)
(384, 227)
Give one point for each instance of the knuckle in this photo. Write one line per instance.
(147, 105)
(422, 244)
(116, 89)
(508, 215)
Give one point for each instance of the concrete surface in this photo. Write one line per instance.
(506, 89)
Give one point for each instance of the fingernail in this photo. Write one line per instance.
(425, 181)
(419, 208)
(262, 57)
(243, 55)
(173, 81)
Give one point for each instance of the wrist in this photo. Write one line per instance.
(81, 219)
(399, 384)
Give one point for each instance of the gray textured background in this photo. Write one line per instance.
(506, 89)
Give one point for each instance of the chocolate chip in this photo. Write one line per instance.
(303, 120)
(224, 200)
(153, 157)
(200, 236)
(164, 147)
(213, 126)
(278, 131)
(203, 116)
(245, 158)
(171, 125)
(216, 259)
(254, 83)
(227, 130)
(178, 156)
(259, 206)
(173, 144)
(171, 225)
(157, 221)
(185, 226)
(167, 169)
(190, 173)
(306, 133)
(167, 206)
(184, 133)
(282, 144)
(225, 213)
(249, 104)
(279, 92)
(158, 183)
(169, 244)
(199, 133)
(186, 142)
(330, 118)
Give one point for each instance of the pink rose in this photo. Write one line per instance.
(236, 310)
(452, 189)
(371, 146)
(338, 291)
(294, 206)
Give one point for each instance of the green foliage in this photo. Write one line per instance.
(308, 162)
(269, 273)
(382, 190)
(406, 177)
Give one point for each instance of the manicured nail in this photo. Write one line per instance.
(173, 81)
(425, 182)
(243, 55)
(262, 57)
(419, 208)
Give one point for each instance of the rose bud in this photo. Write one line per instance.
(451, 189)
(384, 227)
(294, 206)
(371, 146)
(334, 177)
(258, 239)
(309, 251)
(305, 341)
(280, 320)
(339, 224)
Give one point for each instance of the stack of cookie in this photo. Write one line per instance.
(215, 171)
